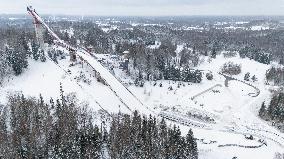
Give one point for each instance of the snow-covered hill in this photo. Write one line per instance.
(45, 79)
(219, 117)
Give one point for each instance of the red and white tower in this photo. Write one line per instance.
(39, 28)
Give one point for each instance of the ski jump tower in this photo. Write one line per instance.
(39, 29)
(127, 98)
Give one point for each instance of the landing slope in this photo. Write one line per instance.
(122, 92)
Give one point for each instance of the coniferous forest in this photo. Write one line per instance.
(274, 110)
(207, 75)
(33, 128)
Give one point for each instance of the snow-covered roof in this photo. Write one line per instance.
(125, 52)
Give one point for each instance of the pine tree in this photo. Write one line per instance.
(113, 137)
(176, 74)
(184, 57)
(54, 58)
(191, 146)
(155, 139)
(24, 42)
(63, 99)
(5, 69)
(134, 134)
(5, 148)
(35, 51)
(17, 59)
(262, 111)
(163, 137)
(243, 52)
(209, 76)
(197, 76)
(253, 78)
(179, 143)
(167, 74)
(205, 53)
(271, 108)
(279, 111)
(214, 53)
(247, 76)
(42, 56)
(95, 142)
(144, 138)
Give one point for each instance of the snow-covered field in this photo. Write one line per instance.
(234, 112)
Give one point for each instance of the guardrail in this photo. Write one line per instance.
(209, 89)
(232, 78)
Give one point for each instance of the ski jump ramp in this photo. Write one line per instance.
(129, 99)
(126, 97)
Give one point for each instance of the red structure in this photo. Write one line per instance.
(40, 25)
(39, 30)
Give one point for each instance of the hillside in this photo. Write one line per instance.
(220, 117)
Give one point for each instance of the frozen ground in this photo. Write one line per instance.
(233, 110)
(45, 79)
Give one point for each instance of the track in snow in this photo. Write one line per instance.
(207, 90)
(183, 120)
(250, 94)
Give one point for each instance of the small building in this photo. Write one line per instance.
(126, 54)
(124, 65)
(90, 49)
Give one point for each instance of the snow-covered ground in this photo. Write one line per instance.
(234, 112)
(45, 79)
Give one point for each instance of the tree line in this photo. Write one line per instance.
(63, 128)
(274, 111)
(16, 47)
(147, 138)
(231, 68)
(256, 54)
(275, 75)
(161, 62)
(186, 74)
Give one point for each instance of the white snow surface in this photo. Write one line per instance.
(127, 97)
(45, 79)
(235, 113)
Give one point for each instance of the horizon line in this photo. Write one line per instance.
(189, 15)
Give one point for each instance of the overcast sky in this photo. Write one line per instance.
(147, 7)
